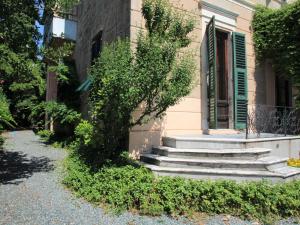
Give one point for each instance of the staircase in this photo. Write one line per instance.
(216, 158)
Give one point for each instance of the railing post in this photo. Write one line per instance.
(285, 122)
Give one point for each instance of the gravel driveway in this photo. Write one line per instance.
(31, 190)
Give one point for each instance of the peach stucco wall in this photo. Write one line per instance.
(188, 117)
(185, 117)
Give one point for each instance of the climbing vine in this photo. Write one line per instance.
(277, 37)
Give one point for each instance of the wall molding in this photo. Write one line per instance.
(224, 18)
(244, 3)
(219, 10)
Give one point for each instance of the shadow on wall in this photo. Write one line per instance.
(143, 138)
(15, 166)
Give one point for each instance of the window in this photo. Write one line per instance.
(217, 42)
(283, 92)
(96, 46)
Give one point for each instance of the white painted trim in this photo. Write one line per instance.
(219, 24)
(225, 20)
(218, 10)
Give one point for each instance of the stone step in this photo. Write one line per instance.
(242, 154)
(262, 164)
(190, 142)
(282, 174)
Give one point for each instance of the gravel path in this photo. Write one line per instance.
(31, 190)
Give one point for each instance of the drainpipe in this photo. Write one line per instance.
(247, 119)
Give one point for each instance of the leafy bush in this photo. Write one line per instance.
(144, 82)
(276, 37)
(46, 135)
(59, 112)
(84, 133)
(6, 119)
(125, 187)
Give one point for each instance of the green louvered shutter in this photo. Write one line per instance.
(240, 80)
(212, 68)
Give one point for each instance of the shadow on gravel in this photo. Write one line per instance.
(16, 165)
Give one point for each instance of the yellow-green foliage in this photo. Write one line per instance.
(294, 162)
(84, 132)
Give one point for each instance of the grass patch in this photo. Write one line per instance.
(121, 186)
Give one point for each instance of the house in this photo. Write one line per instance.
(230, 85)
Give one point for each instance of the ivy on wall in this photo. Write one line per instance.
(277, 37)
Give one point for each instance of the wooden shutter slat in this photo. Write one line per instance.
(212, 68)
(240, 80)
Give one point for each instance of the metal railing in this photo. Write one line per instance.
(272, 120)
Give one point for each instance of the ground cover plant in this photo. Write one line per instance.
(125, 186)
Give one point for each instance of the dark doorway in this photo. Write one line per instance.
(222, 80)
(283, 92)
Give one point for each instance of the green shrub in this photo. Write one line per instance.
(127, 187)
(59, 112)
(46, 135)
(6, 119)
(84, 133)
(151, 78)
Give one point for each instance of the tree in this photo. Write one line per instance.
(20, 69)
(149, 80)
(17, 26)
(58, 6)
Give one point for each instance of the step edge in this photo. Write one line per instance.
(215, 161)
(217, 171)
(216, 151)
(229, 140)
